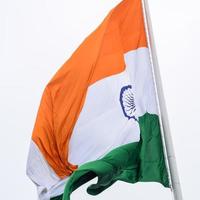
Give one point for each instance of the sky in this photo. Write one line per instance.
(38, 36)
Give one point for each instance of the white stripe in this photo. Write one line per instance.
(47, 182)
(139, 69)
(102, 125)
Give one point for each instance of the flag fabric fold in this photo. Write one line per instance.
(98, 115)
(133, 162)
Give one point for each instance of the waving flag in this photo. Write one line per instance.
(98, 115)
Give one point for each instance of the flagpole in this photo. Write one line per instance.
(165, 129)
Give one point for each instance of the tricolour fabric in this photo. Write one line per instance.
(94, 105)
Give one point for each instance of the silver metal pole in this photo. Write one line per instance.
(165, 129)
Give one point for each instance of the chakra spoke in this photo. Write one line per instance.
(128, 102)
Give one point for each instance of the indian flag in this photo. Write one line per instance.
(98, 115)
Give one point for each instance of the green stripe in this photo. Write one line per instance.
(139, 161)
(57, 198)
